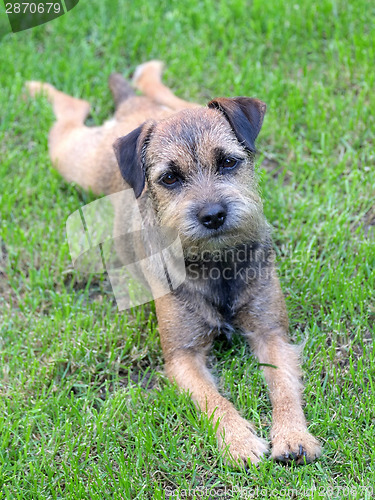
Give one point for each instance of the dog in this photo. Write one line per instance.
(192, 170)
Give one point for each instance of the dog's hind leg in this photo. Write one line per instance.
(127, 102)
(70, 112)
(65, 107)
(71, 144)
(147, 78)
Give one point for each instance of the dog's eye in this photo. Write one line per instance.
(229, 163)
(169, 179)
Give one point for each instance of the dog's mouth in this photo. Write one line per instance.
(212, 233)
(216, 234)
(214, 238)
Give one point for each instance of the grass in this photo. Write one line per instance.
(85, 409)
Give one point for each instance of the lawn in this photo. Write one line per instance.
(85, 410)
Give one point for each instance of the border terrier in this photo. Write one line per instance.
(192, 170)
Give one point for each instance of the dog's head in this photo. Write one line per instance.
(197, 168)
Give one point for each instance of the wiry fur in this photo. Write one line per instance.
(231, 284)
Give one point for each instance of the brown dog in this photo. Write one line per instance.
(192, 170)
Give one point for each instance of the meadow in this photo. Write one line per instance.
(86, 410)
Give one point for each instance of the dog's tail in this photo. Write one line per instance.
(120, 88)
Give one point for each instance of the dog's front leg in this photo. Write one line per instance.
(235, 435)
(289, 435)
(185, 363)
(265, 325)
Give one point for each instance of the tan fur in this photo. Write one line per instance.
(191, 137)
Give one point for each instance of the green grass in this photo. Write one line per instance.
(85, 409)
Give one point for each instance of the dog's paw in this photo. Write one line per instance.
(241, 445)
(35, 88)
(153, 69)
(298, 446)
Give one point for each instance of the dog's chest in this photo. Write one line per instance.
(219, 284)
(216, 287)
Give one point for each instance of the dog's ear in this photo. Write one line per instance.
(130, 152)
(245, 116)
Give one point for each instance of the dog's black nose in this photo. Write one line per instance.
(212, 215)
